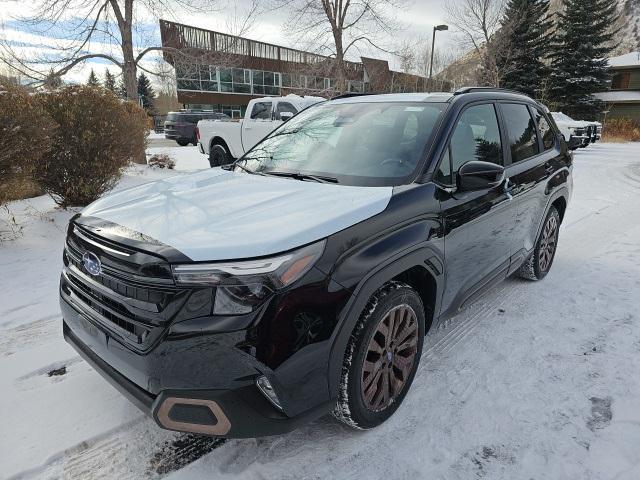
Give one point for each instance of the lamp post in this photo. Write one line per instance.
(433, 41)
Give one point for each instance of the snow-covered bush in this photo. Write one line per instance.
(621, 130)
(161, 160)
(97, 135)
(25, 136)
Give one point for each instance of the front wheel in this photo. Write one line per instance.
(218, 156)
(539, 263)
(382, 357)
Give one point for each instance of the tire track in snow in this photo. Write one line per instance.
(29, 334)
(135, 450)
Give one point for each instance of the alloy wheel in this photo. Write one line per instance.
(548, 243)
(390, 357)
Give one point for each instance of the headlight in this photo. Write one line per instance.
(243, 285)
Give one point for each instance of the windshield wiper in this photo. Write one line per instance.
(303, 176)
(241, 167)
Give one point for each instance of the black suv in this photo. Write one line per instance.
(181, 126)
(302, 279)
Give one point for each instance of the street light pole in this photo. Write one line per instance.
(433, 44)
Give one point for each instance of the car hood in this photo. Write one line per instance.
(220, 215)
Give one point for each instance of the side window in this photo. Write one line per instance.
(523, 139)
(476, 137)
(261, 111)
(285, 107)
(547, 133)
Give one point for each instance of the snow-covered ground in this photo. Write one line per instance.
(535, 380)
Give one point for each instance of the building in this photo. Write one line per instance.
(623, 98)
(223, 72)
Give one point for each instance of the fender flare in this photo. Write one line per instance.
(562, 192)
(422, 255)
(217, 140)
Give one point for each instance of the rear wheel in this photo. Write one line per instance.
(183, 142)
(218, 156)
(382, 357)
(540, 261)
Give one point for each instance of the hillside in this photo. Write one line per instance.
(462, 71)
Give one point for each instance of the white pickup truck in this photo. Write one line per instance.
(225, 141)
(577, 133)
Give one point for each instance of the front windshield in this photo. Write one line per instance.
(349, 143)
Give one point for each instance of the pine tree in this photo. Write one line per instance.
(145, 92)
(93, 80)
(121, 90)
(110, 81)
(579, 51)
(525, 33)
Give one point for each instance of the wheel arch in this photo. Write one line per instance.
(561, 205)
(420, 268)
(220, 141)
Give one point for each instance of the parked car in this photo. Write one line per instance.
(246, 300)
(181, 126)
(577, 133)
(224, 142)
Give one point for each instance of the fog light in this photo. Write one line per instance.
(267, 390)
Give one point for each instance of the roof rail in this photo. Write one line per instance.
(353, 94)
(463, 90)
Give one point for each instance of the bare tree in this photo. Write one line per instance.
(334, 27)
(106, 29)
(479, 21)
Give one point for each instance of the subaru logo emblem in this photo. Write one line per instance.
(91, 263)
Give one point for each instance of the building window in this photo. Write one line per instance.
(241, 80)
(356, 86)
(620, 81)
(266, 83)
(292, 80)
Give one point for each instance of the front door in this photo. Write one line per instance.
(257, 124)
(479, 225)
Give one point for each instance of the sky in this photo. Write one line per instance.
(415, 20)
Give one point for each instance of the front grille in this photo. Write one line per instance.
(135, 307)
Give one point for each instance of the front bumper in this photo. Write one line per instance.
(196, 384)
(576, 141)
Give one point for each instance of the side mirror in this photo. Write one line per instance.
(285, 116)
(476, 175)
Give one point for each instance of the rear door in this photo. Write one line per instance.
(479, 225)
(533, 153)
(257, 123)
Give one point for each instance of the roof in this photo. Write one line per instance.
(398, 97)
(627, 60)
(619, 96)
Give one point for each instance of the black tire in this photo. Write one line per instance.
(218, 156)
(353, 408)
(539, 263)
(182, 142)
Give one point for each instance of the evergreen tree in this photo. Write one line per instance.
(110, 81)
(121, 90)
(579, 51)
(93, 80)
(145, 92)
(524, 33)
